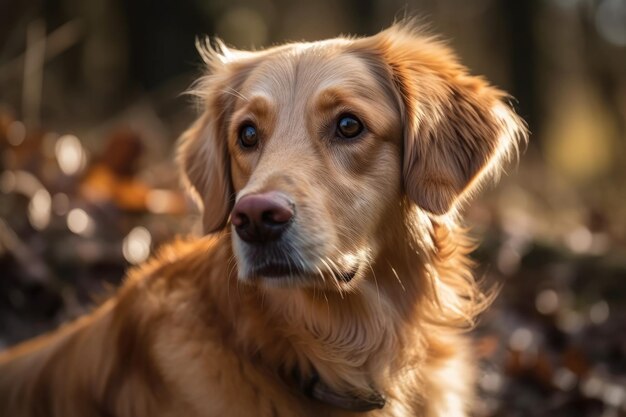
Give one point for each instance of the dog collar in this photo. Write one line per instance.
(315, 388)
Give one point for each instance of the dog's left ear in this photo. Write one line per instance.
(457, 128)
(203, 150)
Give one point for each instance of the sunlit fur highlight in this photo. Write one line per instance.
(186, 336)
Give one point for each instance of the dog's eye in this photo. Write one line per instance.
(349, 126)
(248, 136)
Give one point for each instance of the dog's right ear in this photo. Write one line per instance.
(458, 130)
(203, 155)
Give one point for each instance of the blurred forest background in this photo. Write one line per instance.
(91, 104)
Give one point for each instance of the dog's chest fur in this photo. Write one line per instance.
(234, 350)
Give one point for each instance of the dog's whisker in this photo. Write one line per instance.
(327, 303)
(319, 271)
(369, 263)
(395, 274)
(333, 276)
(321, 274)
(332, 269)
(231, 265)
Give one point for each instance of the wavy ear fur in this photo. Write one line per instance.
(203, 151)
(457, 128)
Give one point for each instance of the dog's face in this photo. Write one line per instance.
(327, 145)
(311, 149)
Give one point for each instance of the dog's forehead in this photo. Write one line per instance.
(298, 72)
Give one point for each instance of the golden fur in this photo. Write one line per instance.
(195, 333)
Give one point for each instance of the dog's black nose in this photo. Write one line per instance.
(261, 218)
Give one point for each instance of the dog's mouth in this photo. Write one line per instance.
(278, 269)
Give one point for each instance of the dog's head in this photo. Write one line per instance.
(313, 149)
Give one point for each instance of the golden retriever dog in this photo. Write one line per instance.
(334, 277)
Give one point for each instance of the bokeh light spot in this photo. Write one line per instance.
(39, 209)
(16, 133)
(136, 246)
(70, 154)
(521, 339)
(79, 222)
(547, 301)
(599, 312)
